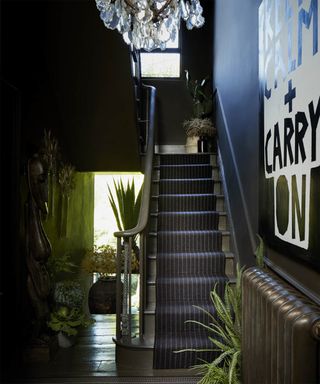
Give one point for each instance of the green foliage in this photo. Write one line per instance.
(125, 205)
(224, 330)
(68, 293)
(260, 253)
(102, 260)
(68, 320)
(200, 91)
(60, 264)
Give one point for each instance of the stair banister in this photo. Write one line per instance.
(123, 311)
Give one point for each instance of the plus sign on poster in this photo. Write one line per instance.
(290, 99)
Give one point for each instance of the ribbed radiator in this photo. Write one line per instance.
(281, 332)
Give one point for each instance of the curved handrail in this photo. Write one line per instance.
(145, 198)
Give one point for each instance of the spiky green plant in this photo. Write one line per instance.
(125, 205)
(224, 331)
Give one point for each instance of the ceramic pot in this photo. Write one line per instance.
(65, 341)
(203, 144)
(102, 296)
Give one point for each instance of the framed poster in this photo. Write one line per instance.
(289, 73)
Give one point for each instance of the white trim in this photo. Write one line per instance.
(170, 149)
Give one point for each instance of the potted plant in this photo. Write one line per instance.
(199, 128)
(66, 322)
(67, 316)
(202, 130)
(102, 294)
(126, 208)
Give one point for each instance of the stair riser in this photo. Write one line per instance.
(220, 204)
(223, 223)
(153, 223)
(154, 205)
(193, 242)
(177, 290)
(188, 159)
(226, 243)
(179, 266)
(218, 188)
(151, 270)
(230, 267)
(180, 322)
(185, 187)
(185, 222)
(149, 325)
(151, 295)
(216, 174)
(126, 358)
(187, 172)
(176, 203)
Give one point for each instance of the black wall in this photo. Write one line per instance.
(174, 103)
(74, 78)
(236, 78)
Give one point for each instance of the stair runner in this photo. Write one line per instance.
(189, 259)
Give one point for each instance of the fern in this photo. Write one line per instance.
(225, 334)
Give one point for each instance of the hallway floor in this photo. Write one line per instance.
(93, 356)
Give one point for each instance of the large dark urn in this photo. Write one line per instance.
(102, 296)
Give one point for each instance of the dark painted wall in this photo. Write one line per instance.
(74, 77)
(174, 103)
(236, 78)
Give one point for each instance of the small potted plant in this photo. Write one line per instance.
(66, 322)
(199, 129)
(67, 316)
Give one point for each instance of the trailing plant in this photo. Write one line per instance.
(224, 331)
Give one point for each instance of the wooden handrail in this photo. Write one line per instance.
(123, 306)
(145, 199)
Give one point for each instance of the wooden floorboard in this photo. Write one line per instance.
(93, 355)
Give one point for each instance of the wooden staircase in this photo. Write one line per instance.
(141, 351)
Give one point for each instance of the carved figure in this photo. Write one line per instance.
(38, 245)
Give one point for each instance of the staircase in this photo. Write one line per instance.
(188, 253)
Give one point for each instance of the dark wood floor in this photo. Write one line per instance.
(93, 355)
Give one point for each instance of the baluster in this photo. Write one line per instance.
(141, 285)
(119, 289)
(125, 319)
(130, 285)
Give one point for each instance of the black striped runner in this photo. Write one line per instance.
(189, 259)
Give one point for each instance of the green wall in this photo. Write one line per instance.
(77, 235)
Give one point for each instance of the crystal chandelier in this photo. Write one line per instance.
(149, 24)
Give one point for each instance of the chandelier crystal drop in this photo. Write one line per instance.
(150, 24)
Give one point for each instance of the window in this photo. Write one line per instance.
(162, 64)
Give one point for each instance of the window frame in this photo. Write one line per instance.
(166, 51)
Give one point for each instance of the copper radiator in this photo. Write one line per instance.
(281, 332)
